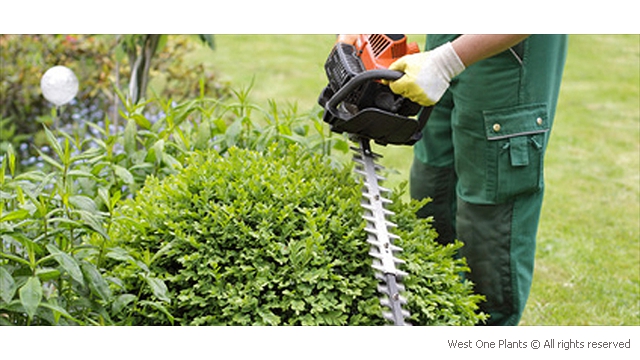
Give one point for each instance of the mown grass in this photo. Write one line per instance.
(588, 260)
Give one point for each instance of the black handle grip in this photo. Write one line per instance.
(358, 80)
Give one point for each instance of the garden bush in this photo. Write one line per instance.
(109, 228)
(55, 219)
(273, 238)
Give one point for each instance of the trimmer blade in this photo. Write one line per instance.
(383, 251)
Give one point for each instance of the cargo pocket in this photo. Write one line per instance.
(516, 138)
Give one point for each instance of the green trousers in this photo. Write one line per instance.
(481, 161)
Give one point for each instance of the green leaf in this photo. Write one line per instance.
(122, 301)
(97, 283)
(12, 159)
(159, 288)
(46, 274)
(31, 295)
(162, 42)
(340, 144)
(268, 317)
(53, 142)
(93, 222)
(171, 162)
(7, 285)
(232, 133)
(61, 311)
(157, 151)
(50, 160)
(103, 194)
(120, 254)
(141, 121)
(80, 173)
(159, 307)
(83, 203)
(202, 135)
(123, 174)
(15, 258)
(208, 40)
(15, 215)
(130, 137)
(68, 263)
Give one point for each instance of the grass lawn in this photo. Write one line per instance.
(588, 260)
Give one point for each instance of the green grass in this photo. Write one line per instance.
(588, 260)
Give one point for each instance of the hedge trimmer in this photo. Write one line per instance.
(357, 103)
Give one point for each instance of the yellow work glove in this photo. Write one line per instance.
(426, 75)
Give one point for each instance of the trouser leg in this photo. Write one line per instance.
(432, 172)
(500, 250)
(500, 112)
(438, 184)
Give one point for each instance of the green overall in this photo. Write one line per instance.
(481, 161)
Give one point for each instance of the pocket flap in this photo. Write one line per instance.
(519, 151)
(516, 121)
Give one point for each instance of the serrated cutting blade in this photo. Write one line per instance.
(383, 251)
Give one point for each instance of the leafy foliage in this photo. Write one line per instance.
(55, 220)
(271, 238)
(251, 239)
(213, 212)
(436, 294)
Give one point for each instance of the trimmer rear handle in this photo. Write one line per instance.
(357, 81)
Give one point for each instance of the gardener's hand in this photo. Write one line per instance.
(426, 75)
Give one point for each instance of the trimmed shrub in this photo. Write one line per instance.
(54, 220)
(272, 238)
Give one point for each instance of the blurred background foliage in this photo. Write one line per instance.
(104, 64)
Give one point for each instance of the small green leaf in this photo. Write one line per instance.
(130, 137)
(159, 288)
(171, 162)
(208, 40)
(15, 258)
(220, 125)
(157, 151)
(60, 311)
(97, 283)
(93, 222)
(297, 305)
(15, 215)
(103, 194)
(123, 174)
(83, 203)
(53, 142)
(68, 263)
(268, 317)
(122, 301)
(141, 121)
(120, 254)
(31, 295)
(12, 159)
(232, 133)
(46, 274)
(161, 308)
(80, 173)
(50, 160)
(7, 285)
(203, 135)
(340, 144)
